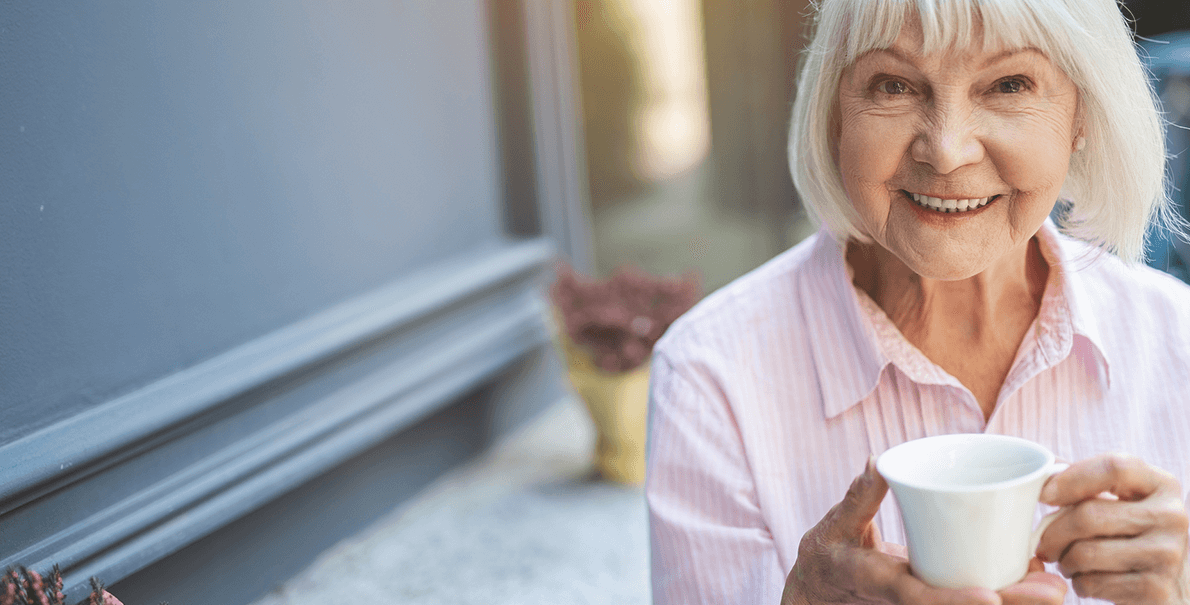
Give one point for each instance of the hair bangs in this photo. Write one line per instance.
(949, 24)
(880, 23)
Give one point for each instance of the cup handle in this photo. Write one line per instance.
(1035, 537)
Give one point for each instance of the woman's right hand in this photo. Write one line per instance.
(843, 560)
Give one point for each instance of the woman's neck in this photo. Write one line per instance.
(973, 327)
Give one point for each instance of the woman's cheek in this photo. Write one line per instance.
(1030, 155)
(873, 148)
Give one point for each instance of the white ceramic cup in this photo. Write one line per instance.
(968, 502)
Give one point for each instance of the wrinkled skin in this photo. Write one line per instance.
(844, 560)
(1123, 537)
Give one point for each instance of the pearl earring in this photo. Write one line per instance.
(1080, 143)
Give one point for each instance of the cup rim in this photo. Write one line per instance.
(1043, 469)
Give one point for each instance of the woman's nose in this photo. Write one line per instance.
(948, 141)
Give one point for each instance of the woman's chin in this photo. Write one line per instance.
(946, 260)
(957, 250)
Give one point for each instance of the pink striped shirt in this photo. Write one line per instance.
(768, 397)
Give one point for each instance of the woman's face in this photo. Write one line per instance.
(989, 130)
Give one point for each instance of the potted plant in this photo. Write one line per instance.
(21, 586)
(609, 329)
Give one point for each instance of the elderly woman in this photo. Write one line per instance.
(932, 139)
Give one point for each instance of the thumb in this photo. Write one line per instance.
(855, 513)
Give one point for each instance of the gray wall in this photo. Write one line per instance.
(181, 177)
(245, 241)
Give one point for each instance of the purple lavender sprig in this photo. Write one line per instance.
(22, 586)
(620, 319)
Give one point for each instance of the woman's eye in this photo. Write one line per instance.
(1010, 86)
(893, 87)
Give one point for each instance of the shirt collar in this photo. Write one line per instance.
(857, 341)
(1068, 258)
(842, 342)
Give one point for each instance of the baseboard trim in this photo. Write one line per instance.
(443, 332)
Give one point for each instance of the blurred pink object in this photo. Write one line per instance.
(618, 320)
(21, 585)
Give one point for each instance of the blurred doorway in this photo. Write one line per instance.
(686, 105)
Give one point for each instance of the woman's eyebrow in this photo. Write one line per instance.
(891, 52)
(897, 54)
(886, 54)
(1008, 54)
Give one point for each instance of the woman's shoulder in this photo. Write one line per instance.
(753, 302)
(1122, 293)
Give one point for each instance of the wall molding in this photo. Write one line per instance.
(297, 402)
(558, 139)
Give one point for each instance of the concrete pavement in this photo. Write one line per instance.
(523, 525)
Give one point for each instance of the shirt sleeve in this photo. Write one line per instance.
(709, 542)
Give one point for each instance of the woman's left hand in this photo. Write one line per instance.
(1127, 549)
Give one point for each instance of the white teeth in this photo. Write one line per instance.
(942, 205)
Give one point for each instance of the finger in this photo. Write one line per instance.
(1161, 553)
(851, 518)
(1035, 564)
(871, 537)
(908, 589)
(1124, 588)
(1037, 588)
(1090, 519)
(882, 577)
(897, 551)
(1101, 518)
(1126, 476)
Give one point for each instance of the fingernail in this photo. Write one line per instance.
(871, 466)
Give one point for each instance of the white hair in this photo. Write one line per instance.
(1115, 186)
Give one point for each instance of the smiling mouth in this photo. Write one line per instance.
(949, 206)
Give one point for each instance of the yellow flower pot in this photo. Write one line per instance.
(618, 404)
